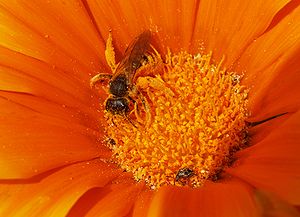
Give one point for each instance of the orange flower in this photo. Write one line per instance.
(53, 158)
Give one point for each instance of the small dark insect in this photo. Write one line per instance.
(121, 82)
(184, 174)
(111, 142)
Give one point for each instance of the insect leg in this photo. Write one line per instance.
(130, 121)
(110, 53)
(147, 110)
(99, 78)
(112, 120)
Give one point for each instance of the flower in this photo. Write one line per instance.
(53, 158)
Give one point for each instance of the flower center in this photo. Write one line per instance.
(185, 125)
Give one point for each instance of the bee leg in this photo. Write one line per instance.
(156, 83)
(99, 78)
(130, 120)
(110, 53)
(138, 95)
(147, 110)
(136, 109)
(136, 113)
(112, 120)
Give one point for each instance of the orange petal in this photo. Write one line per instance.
(227, 27)
(271, 65)
(32, 142)
(272, 206)
(261, 131)
(56, 194)
(214, 200)
(142, 203)
(118, 201)
(18, 86)
(172, 20)
(278, 92)
(274, 163)
(73, 115)
(57, 32)
(34, 77)
(25, 74)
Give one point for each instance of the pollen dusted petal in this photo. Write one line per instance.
(57, 193)
(51, 32)
(273, 163)
(172, 20)
(32, 142)
(228, 27)
(214, 200)
(117, 202)
(271, 66)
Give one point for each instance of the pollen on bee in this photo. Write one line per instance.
(193, 121)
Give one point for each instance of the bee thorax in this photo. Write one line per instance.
(118, 86)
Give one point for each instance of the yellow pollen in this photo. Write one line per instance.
(191, 121)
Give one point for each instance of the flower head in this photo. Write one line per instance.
(212, 69)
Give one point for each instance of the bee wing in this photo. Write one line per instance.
(134, 55)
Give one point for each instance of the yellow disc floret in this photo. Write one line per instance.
(190, 122)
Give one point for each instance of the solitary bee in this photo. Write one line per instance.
(121, 83)
(184, 174)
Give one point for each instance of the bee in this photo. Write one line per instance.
(184, 174)
(121, 83)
